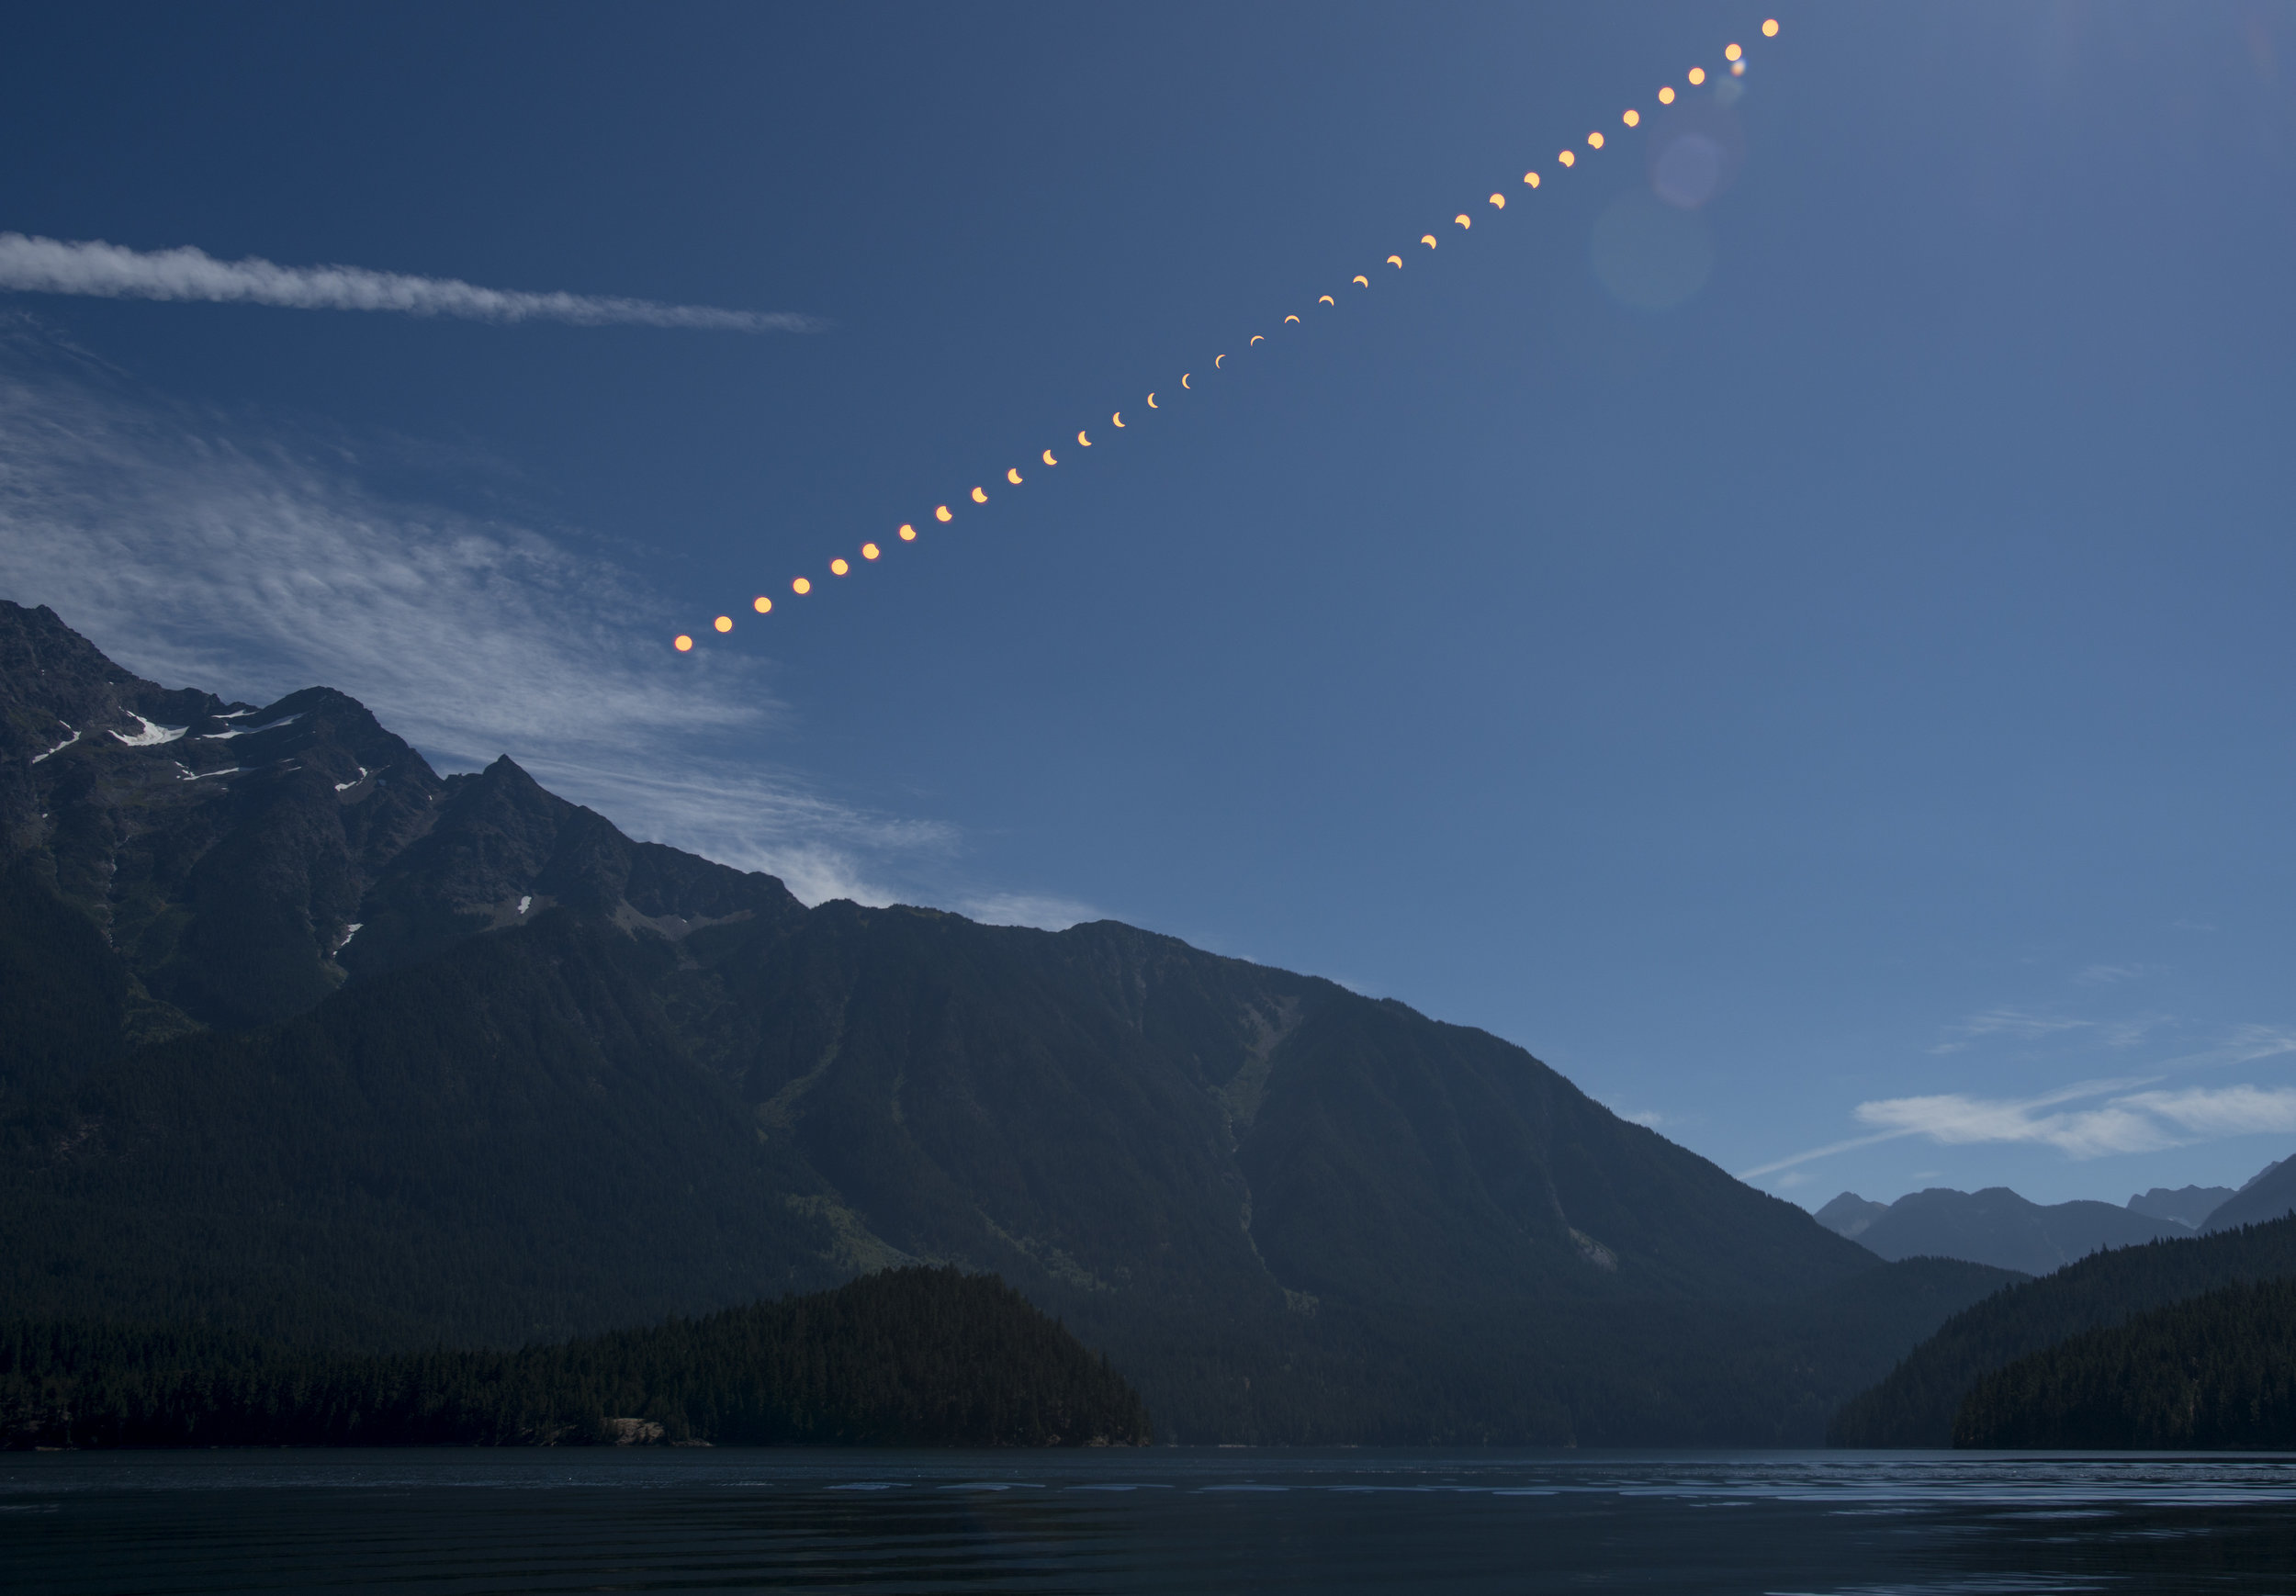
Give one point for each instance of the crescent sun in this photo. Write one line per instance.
(1395, 261)
(1118, 418)
(1291, 318)
(1184, 382)
(1216, 360)
(1359, 277)
(1428, 238)
(1013, 476)
(1152, 404)
(1325, 299)
(1256, 338)
(1048, 458)
(1085, 441)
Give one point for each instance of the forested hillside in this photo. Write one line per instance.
(1916, 1405)
(331, 1051)
(914, 1357)
(2217, 1370)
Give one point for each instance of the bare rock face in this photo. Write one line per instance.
(242, 861)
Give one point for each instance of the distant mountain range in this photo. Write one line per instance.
(307, 1042)
(1998, 1227)
(2268, 1195)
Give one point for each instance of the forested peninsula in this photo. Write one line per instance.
(2214, 1372)
(911, 1357)
(2082, 1305)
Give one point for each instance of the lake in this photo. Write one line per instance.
(1200, 1521)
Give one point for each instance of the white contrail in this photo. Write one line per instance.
(46, 265)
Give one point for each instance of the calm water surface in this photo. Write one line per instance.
(1166, 1520)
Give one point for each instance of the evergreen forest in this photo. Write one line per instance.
(910, 1357)
(2217, 1371)
(1918, 1404)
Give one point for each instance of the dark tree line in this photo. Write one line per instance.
(1917, 1404)
(915, 1357)
(2216, 1371)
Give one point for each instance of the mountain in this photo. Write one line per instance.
(319, 1046)
(1850, 1215)
(2189, 1206)
(1916, 1405)
(2216, 1371)
(2269, 1194)
(1994, 1226)
(912, 1357)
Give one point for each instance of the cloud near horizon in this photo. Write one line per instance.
(46, 265)
(2136, 1115)
(197, 556)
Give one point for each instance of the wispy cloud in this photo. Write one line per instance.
(197, 557)
(2110, 974)
(2006, 1022)
(46, 265)
(1045, 912)
(1955, 1120)
(2136, 1114)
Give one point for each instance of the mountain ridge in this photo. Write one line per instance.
(451, 1057)
(1993, 1225)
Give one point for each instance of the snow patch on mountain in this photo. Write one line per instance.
(248, 731)
(152, 735)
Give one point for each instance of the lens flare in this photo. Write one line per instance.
(1737, 69)
(869, 551)
(762, 604)
(801, 586)
(724, 623)
(837, 568)
(682, 644)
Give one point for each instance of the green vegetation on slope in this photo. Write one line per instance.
(2216, 1371)
(915, 1357)
(1916, 1406)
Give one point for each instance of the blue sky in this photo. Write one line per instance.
(1813, 666)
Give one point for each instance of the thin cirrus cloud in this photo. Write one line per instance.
(2088, 1118)
(2012, 1023)
(200, 556)
(46, 265)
